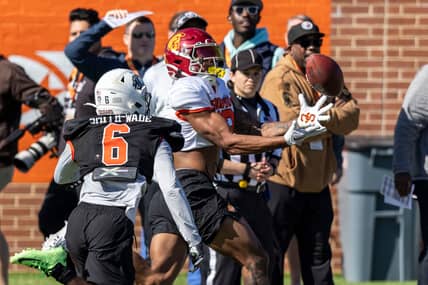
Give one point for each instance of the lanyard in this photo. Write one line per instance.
(75, 78)
(131, 64)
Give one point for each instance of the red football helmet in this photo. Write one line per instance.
(191, 52)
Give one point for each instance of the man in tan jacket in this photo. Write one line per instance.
(305, 170)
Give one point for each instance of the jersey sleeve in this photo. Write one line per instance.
(190, 95)
(66, 170)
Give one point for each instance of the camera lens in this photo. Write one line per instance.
(25, 159)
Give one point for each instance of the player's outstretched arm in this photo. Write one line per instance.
(172, 191)
(214, 128)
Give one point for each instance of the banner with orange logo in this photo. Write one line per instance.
(34, 34)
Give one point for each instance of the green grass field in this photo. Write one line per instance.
(40, 279)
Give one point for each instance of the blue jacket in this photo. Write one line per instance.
(94, 66)
(260, 42)
(411, 131)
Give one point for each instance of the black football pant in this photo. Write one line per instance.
(309, 216)
(59, 202)
(421, 190)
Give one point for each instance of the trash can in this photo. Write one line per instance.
(379, 241)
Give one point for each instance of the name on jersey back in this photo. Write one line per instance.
(120, 119)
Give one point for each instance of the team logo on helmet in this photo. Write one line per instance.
(136, 82)
(174, 42)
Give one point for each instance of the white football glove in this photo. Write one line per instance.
(296, 135)
(313, 115)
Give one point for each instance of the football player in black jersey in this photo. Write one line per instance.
(116, 153)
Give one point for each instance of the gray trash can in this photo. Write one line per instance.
(379, 241)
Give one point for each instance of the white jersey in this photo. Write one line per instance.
(192, 95)
(158, 83)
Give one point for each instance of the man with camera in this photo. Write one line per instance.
(17, 88)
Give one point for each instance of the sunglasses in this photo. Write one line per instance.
(251, 10)
(139, 35)
(73, 34)
(305, 43)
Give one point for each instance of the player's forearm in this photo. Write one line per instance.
(273, 129)
(242, 144)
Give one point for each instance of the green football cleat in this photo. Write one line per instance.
(44, 260)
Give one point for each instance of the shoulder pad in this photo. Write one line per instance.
(171, 131)
(73, 127)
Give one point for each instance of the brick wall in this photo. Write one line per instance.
(379, 44)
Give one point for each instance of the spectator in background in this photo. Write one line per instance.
(292, 21)
(410, 159)
(17, 88)
(244, 15)
(60, 200)
(274, 202)
(305, 171)
(241, 178)
(139, 39)
(186, 19)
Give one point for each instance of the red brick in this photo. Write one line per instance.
(354, 9)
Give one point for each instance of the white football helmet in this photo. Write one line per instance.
(120, 91)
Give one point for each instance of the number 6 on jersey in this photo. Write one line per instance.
(115, 149)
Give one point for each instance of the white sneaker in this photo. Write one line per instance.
(55, 240)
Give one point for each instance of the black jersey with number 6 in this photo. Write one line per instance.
(117, 143)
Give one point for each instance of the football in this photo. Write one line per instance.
(324, 74)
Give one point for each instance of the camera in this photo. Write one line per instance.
(25, 159)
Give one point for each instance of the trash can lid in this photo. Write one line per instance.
(366, 142)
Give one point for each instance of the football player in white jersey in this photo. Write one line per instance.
(200, 102)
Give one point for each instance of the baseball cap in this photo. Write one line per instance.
(247, 2)
(181, 20)
(303, 29)
(246, 59)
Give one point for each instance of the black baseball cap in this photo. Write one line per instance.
(247, 2)
(246, 59)
(185, 18)
(303, 29)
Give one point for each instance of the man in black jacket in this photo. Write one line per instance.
(17, 88)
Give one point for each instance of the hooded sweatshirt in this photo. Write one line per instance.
(260, 43)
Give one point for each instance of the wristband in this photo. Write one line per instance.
(246, 171)
(243, 183)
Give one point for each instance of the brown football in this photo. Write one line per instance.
(324, 74)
